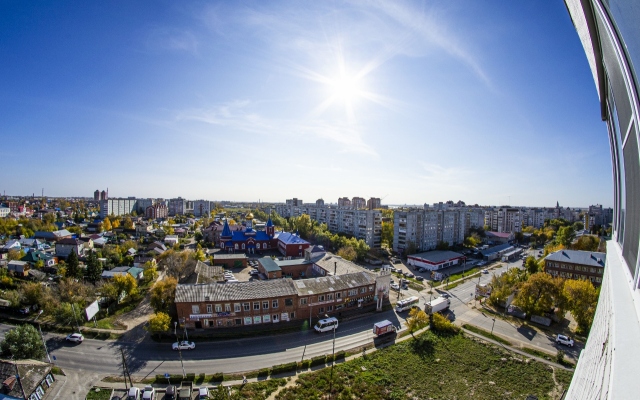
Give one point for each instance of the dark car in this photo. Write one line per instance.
(170, 393)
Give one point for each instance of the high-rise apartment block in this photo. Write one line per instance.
(425, 228)
(362, 224)
(504, 219)
(358, 203)
(373, 203)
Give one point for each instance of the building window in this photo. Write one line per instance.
(246, 306)
(266, 318)
(288, 302)
(236, 307)
(227, 308)
(338, 295)
(236, 246)
(321, 298)
(265, 305)
(353, 292)
(247, 320)
(257, 319)
(238, 321)
(363, 290)
(195, 309)
(209, 311)
(218, 307)
(303, 301)
(292, 315)
(256, 305)
(274, 304)
(371, 288)
(330, 296)
(329, 308)
(321, 310)
(242, 246)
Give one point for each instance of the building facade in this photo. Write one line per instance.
(573, 264)
(609, 32)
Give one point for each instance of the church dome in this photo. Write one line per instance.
(249, 216)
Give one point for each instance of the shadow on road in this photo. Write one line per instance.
(527, 332)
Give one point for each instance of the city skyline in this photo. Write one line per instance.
(410, 103)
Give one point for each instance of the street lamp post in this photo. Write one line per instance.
(492, 325)
(333, 361)
(42, 336)
(175, 330)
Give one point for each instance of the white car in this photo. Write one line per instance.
(203, 393)
(134, 393)
(75, 337)
(184, 345)
(148, 393)
(565, 340)
(395, 286)
(485, 271)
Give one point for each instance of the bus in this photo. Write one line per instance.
(326, 324)
(407, 304)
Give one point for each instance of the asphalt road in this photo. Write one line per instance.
(146, 357)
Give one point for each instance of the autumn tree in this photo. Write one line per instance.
(115, 223)
(539, 294)
(531, 265)
(128, 223)
(163, 294)
(177, 263)
(586, 243)
(159, 322)
(15, 254)
(348, 253)
(417, 320)
(565, 235)
(387, 234)
(106, 225)
(582, 299)
(502, 286)
(126, 283)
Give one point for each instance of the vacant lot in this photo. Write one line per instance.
(436, 367)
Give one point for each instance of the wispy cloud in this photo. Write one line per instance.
(171, 39)
(239, 116)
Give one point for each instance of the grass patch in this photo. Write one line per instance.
(431, 366)
(484, 333)
(57, 371)
(99, 394)
(256, 390)
(547, 356)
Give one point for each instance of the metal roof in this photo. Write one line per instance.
(268, 264)
(327, 284)
(238, 291)
(589, 258)
(437, 256)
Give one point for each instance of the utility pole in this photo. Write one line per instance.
(75, 317)
(175, 330)
(42, 336)
(333, 361)
(125, 370)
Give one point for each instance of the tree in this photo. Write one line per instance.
(126, 283)
(163, 294)
(531, 265)
(159, 322)
(106, 225)
(586, 243)
(472, 240)
(94, 268)
(418, 319)
(348, 253)
(439, 323)
(128, 223)
(442, 245)
(539, 294)
(387, 234)
(31, 293)
(23, 342)
(15, 254)
(565, 235)
(198, 236)
(177, 264)
(578, 226)
(582, 299)
(73, 265)
(115, 223)
(75, 229)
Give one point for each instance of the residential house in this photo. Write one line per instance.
(18, 267)
(25, 379)
(64, 247)
(576, 264)
(54, 236)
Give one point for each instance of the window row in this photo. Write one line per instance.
(237, 307)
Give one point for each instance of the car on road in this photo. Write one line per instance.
(445, 295)
(419, 278)
(254, 272)
(395, 286)
(564, 340)
(184, 345)
(408, 274)
(481, 263)
(485, 271)
(148, 393)
(203, 393)
(75, 337)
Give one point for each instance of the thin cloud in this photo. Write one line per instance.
(171, 39)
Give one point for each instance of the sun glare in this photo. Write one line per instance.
(345, 88)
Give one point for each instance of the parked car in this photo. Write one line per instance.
(134, 393)
(254, 272)
(485, 271)
(419, 278)
(203, 393)
(565, 340)
(75, 337)
(184, 345)
(148, 393)
(395, 286)
(170, 393)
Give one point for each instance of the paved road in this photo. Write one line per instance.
(146, 357)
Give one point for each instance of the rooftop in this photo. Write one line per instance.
(235, 291)
(437, 256)
(589, 258)
(334, 283)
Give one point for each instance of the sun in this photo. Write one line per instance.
(345, 88)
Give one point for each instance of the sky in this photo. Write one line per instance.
(491, 102)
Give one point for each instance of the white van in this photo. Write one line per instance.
(326, 324)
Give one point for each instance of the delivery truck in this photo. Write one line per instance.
(438, 305)
(383, 328)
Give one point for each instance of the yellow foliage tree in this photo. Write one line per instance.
(418, 319)
(126, 283)
(115, 223)
(159, 322)
(582, 299)
(106, 225)
(163, 294)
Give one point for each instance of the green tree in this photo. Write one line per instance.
(159, 322)
(565, 235)
(163, 294)
(23, 342)
(198, 236)
(439, 323)
(417, 319)
(94, 268)
(75, 229)
(73, 265)
(586, 243)
(582, 299)
(128, 223)
(15, 254)
(531, 265)
(442, 246)
(578, 226)
(539, 294)
(387, 234)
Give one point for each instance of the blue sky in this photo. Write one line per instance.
(486, 102)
